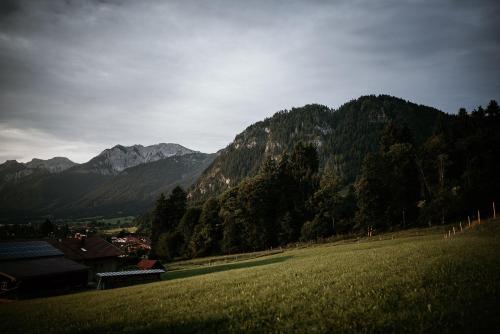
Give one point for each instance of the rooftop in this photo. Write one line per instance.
(44, 266)
(27, 249)
(86, 248)
(130, 273)
(149, 264)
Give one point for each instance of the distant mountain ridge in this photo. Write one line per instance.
(120, 180)
(54, 165)
(111, 161)
(14, 170)
(118, 158)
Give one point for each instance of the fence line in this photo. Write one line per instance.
(471, 224)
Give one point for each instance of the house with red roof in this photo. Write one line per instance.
(145, 264)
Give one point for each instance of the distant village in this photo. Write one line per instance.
(46, 259)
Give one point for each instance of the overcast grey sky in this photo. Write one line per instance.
(77, 77)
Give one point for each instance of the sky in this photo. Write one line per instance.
(77, 77)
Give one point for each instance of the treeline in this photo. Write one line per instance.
(452, 173)
(33, 230)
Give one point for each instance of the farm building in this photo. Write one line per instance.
(150, 264)
(94, 252)
(124, 278)
(31, 267)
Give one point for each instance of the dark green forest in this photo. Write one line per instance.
(410, 177)
(341, 136)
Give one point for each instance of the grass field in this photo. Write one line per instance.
(413, 282)
(100, 220)
(114, 231)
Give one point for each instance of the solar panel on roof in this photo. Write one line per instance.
(27, 249)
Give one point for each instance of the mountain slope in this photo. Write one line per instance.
(136, 188)
(81, 191)
(343, 137)
(44, 194)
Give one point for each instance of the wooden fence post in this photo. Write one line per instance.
(460, 226)
(453, 229)
(494, 211)
(468, 218)
(478, 217)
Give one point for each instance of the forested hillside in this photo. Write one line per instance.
(407, 178)
(342, 138)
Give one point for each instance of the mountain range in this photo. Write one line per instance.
(12, 170)
(120, 180)
(115, 160)
(126, 180)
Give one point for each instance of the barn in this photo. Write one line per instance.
(36, 267)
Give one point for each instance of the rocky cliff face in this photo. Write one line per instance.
(111, 161)
(118, 158)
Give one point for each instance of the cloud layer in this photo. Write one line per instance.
(80, 76)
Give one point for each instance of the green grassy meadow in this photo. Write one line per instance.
(114, 231)
(412, 282)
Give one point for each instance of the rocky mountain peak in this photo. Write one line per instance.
(119, 157)
(54, 165)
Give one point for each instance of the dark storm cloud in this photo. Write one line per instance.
(8, 7)
(79, 76)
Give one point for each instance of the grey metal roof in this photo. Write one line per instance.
(27, 249)
(45, 266)
(131, 273)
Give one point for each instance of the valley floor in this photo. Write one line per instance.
(412, 282)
